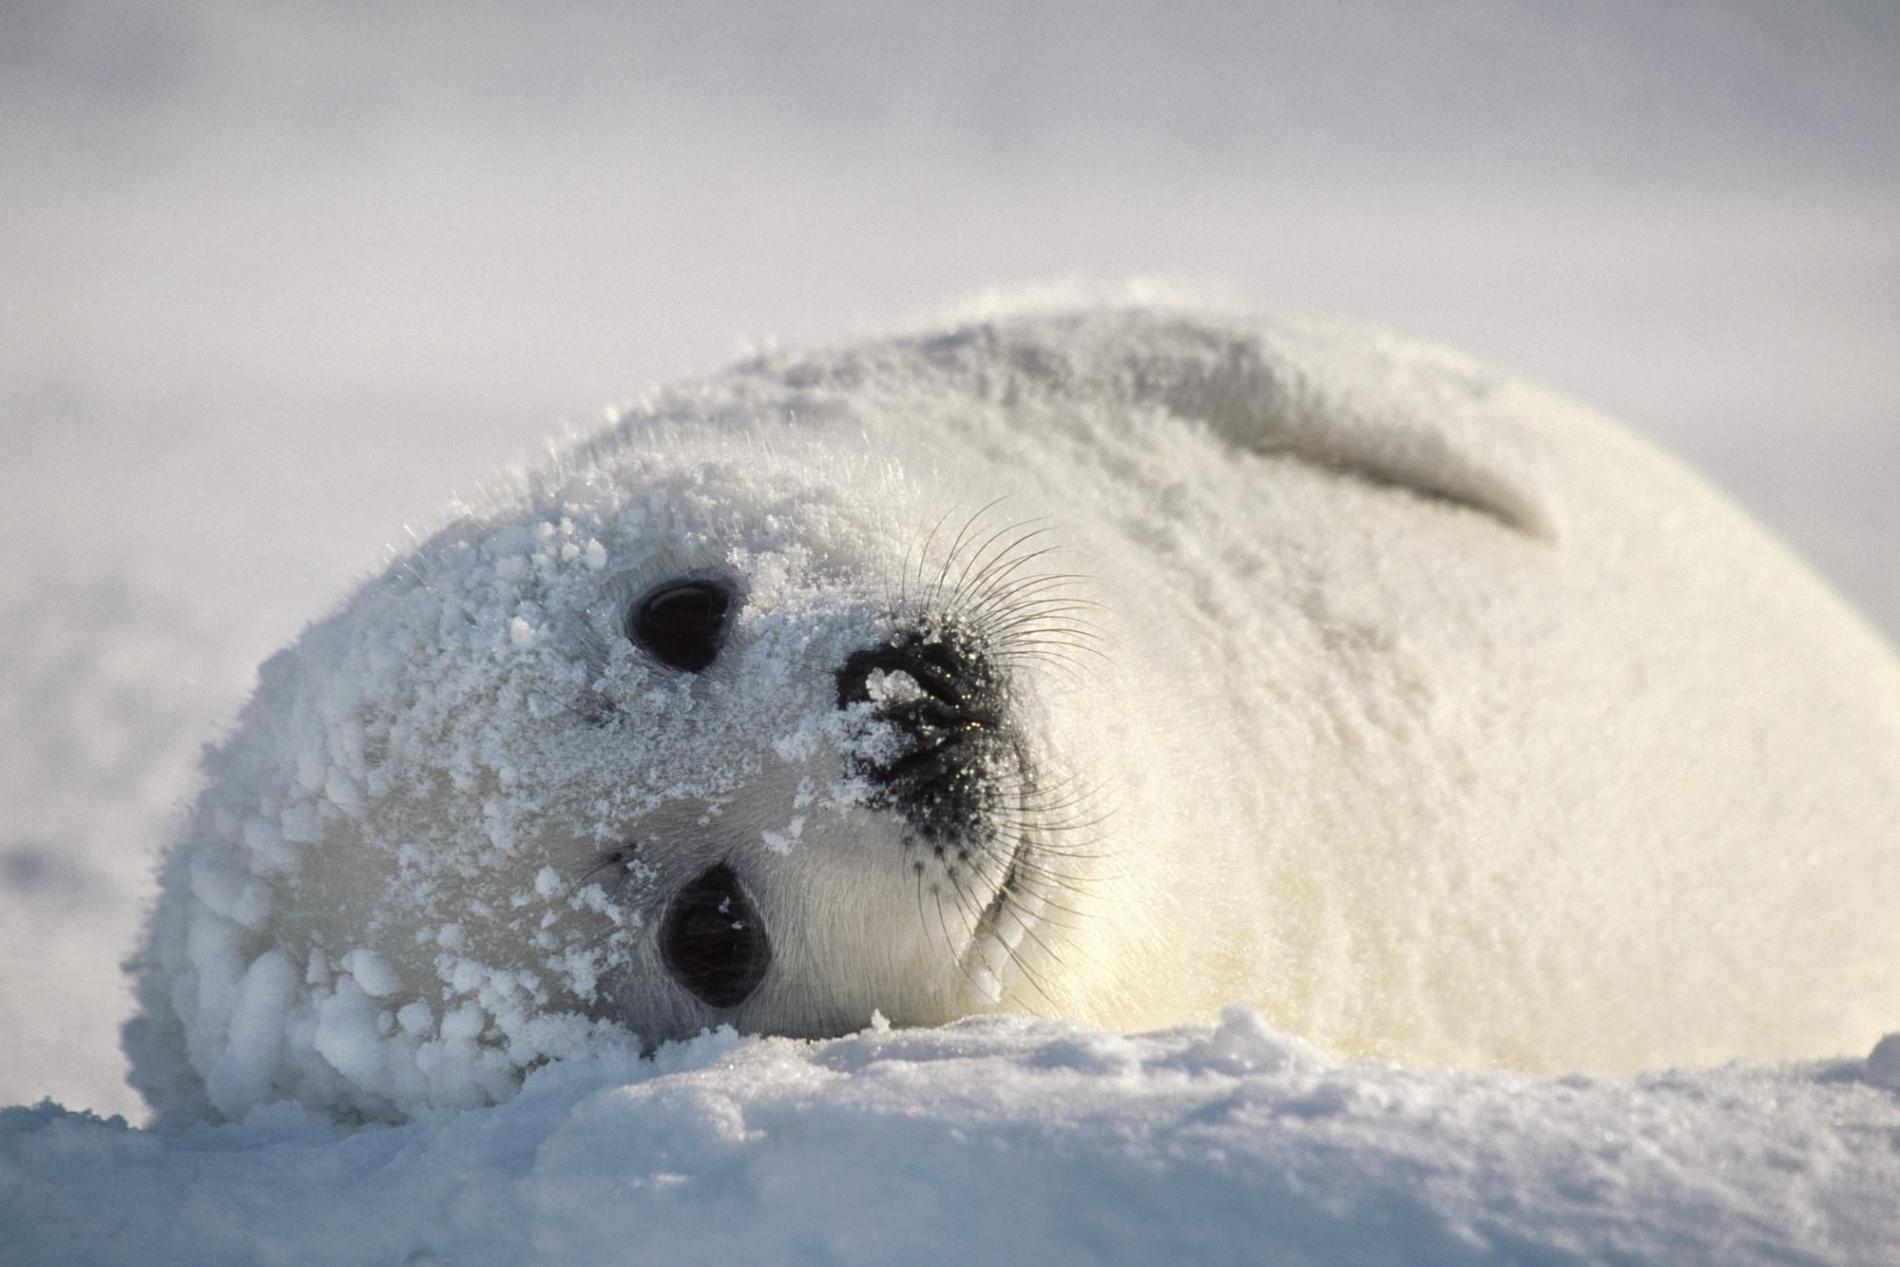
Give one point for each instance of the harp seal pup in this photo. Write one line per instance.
(1114, 664)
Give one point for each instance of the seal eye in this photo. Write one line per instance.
(713, 941)
(681, 623)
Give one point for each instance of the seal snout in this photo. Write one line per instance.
(942, 699)
(712, 940)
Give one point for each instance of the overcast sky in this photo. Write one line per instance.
(280, 278)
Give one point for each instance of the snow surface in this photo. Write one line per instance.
(1003, 1140)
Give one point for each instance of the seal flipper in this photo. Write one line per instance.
(1380, 409)
(1372, 407)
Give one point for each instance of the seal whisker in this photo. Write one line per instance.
(970, 590)
(1046, 639)
(1043, 820)
(981, 564)
(956, 547)
(1025, 627)
(1014, 565)
(1033, 921)
(949, 942)
(923, 553)
(1025, 596)
(983, 934)
(1004, 574)
(1058, 808)
(923, 924)
(1061, 849)
(1071, 670)
(1047, 614)
(1033, 584)
(1039, 608)
(1034, 977)
(1022, 864)
(1029, 919)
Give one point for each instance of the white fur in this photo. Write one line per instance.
(1421, 709)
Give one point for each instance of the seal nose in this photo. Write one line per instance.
(954, 684)
(713, 941)
(942, 697)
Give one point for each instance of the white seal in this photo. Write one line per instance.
(1118, 665)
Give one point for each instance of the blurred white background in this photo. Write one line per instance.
(276, 280)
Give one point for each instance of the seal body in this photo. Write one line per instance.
(1114, 664)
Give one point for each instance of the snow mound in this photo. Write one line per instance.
(1000, 1139)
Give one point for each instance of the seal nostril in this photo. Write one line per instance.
(713, 941)
(956, 682)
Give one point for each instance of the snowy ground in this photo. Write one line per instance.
(1004, 1140)
(278, 282)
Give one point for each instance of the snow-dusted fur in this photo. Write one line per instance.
(1419, 708)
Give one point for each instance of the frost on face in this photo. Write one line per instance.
(427, 850)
